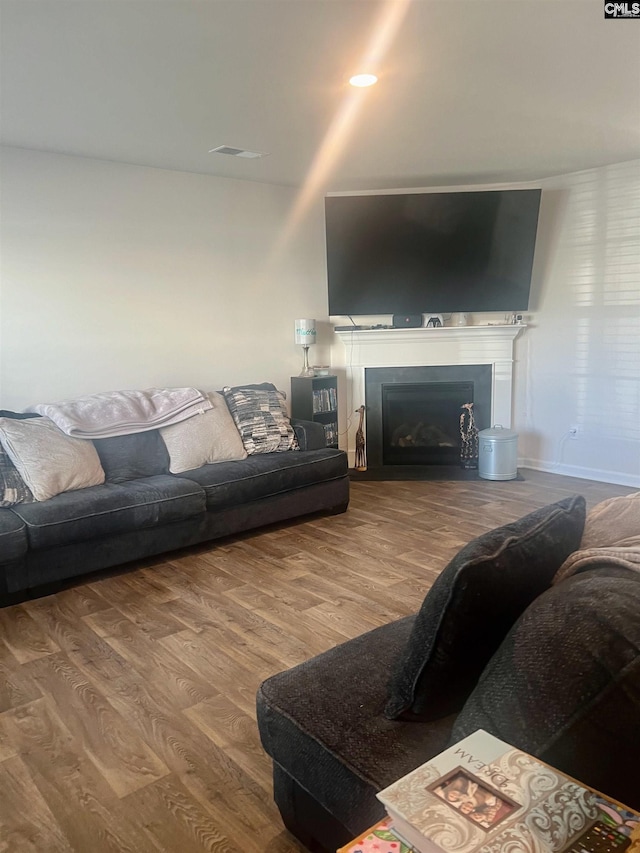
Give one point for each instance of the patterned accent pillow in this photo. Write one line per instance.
(261, 417)
(13, 489)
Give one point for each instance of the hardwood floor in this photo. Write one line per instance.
(127, 716)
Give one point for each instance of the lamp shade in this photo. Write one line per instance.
(305, 332)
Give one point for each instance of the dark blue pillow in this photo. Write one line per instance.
(17, 416)
(472, 605)
(133, 456)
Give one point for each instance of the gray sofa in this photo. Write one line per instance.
(552, 668)
(141, 509)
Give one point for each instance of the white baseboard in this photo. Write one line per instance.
(616, 477)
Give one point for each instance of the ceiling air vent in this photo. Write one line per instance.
(236, 152)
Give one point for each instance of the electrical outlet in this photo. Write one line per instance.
(574, 431)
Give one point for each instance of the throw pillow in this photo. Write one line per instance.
(565, 683)
(203, 439)
(13, 489)
(473, 604)
(260, 414)
(49, 461)
(133, 456)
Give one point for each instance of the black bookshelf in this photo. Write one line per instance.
(315, 398)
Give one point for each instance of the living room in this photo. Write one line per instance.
(88, 228)
(133, 258)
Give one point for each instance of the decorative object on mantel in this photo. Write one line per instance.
(361, 456)
(305, 336)
(469, 436)
(434, 321)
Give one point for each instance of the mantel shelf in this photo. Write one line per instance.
(508, 332)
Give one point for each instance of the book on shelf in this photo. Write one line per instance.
(324, 400)
(484, 796)
(331, 433)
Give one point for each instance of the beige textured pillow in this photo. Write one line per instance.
(202, 439)
(49, 461)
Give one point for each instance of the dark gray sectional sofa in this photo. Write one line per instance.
(142, 509)
(551, 668)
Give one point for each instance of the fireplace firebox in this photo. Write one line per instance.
(413, 413)
(420, 422)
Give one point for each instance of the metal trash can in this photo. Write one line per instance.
(497, 453)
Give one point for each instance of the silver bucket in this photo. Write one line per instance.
(498, 453)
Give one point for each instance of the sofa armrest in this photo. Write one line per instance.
(310, 435)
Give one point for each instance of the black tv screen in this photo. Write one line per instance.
(431, 252)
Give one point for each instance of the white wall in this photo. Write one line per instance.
(118, 276)
(579, 362)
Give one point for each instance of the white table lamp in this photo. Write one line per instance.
(305, 336)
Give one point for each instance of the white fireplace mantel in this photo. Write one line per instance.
(362, 348)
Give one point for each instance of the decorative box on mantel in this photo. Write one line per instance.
(455, 345)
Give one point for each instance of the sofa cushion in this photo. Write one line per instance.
(13, 537)
(13, 489)
(473, 604)
(261, 417)
(565, 683)
(228, 484)
(204, 439)
(49, 461)
(133, 456)
(110, 508)
(322, 722)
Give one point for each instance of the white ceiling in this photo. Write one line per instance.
(469, 91)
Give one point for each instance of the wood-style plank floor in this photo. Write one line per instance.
(127, 716)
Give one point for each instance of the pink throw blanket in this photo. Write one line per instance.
(121, 412)
(611, 534)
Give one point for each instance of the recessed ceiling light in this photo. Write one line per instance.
(362, 80)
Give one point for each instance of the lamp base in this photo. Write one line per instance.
(306, 370)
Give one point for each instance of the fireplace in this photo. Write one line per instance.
(488, 346)
(413, 413)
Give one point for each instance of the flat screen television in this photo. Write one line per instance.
(431, 252)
